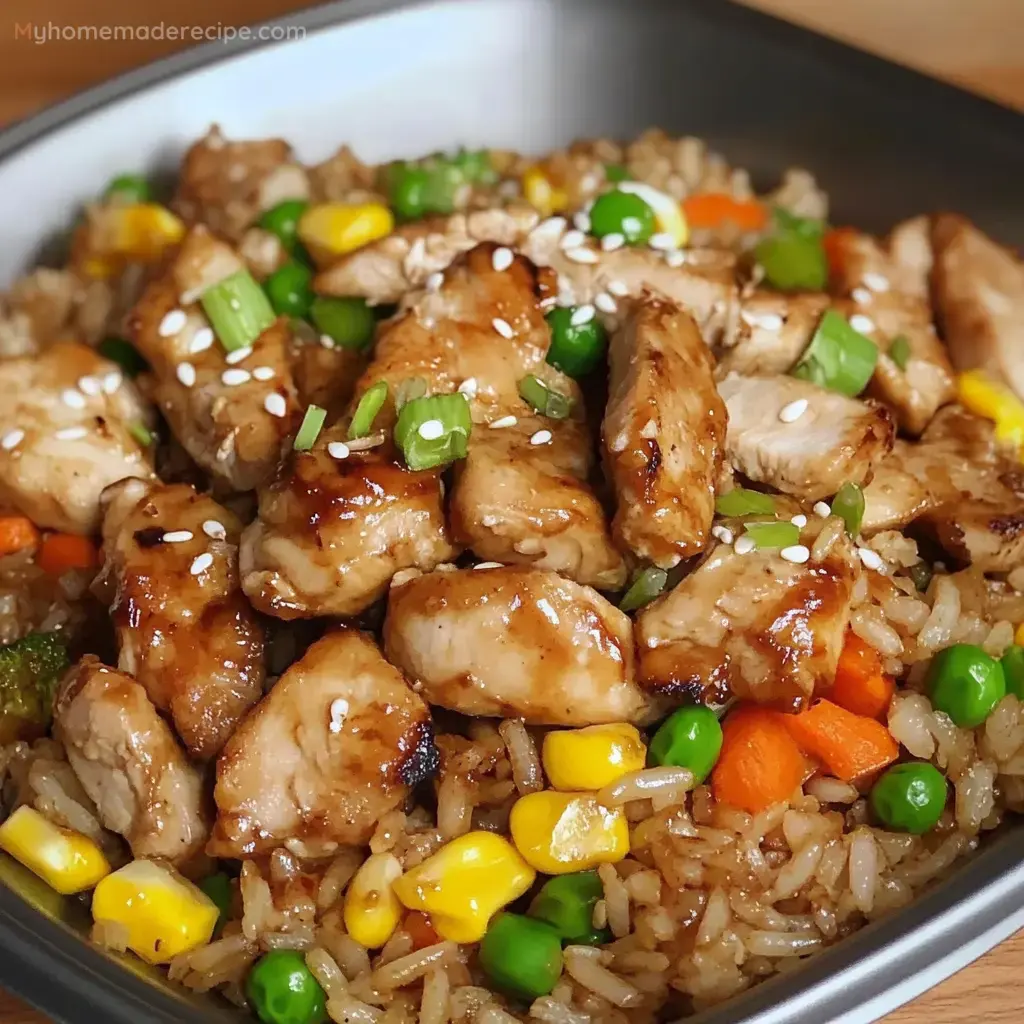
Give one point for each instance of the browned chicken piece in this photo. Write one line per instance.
(337, 743)
(227, 185)
(513, 642)
(234, 413)
(801, 439)
(663, 434)
(753, 625)
(342, 177)
(130, 764)
(326, 375)
(979, 299)
(885, 292)
(185, 630)
(262, 252)
(68, 421)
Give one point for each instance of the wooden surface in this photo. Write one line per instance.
(979, 43)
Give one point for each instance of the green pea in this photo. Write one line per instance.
(283, 220)
(282, 990)
(566, 902)
(349, 323)
(615, 173)
(622, 213)
(689, 738)
(965, 683)
(218, 887)
(521, 955)
(289, 289)
(475, 165)
(910, 797)
(408, 188)
(575, 350)
(1013, 670)
(128, 188)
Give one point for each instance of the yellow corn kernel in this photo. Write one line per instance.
(372, 910)
(541, 194)
(142, 231)
(67, 861)
(1018, 637)
(330, 230)
(983, 396)
(164, 914)
(558, 833)
(465, 884)
(592, 757)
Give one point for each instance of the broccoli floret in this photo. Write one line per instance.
(29, 671)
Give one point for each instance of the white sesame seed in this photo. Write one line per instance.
(201, 563)
(235, 304)
(111, 382)
(338, 450)
(792, 412)
(12, 439)
(549, 229)
(861, 295)
(541, 437)
(862, 323)
(797, 554)
(675, 258)
(201, 340)
(172, 323)
(869, 559)
(238, 355)
(744, 545)
(582, 255)
(232, 378)
(275, 404)
(339, 709)
(605, 303)
(177, 536)
(71, 434)
(74, 399)
(431, 430)
(501, 258)
(503, 422)
(489, 565)
(876, 282)
(613, 241)
(662, 241)
(468, 387)
(90, 386)
(583, 315)
(186, 374)
(572, 239)
(618, 288)
(326, 341)
(649, 431)
(214, 529)
(767, 321)
(799, 520)
(822, 509)
(582, 221)
(263, 373)
(503, 327)
(632, 226)
(722, 533)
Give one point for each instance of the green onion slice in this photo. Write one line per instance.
(838, 357)
(433, 431)
(793, 256)
(791, 223)
(309, 430)
(545, 400)
(128, 188)
(125, 354)
(743, 502)
(347, 322)
(408, 389)
(371, 403)
(646, 586)
(899, 351)
(238, 310)
(773, 535)
(848, 504)
(141, 433)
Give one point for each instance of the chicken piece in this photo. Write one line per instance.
(184, 629)
(513, 642)
(834, 440)
(885, 293)
(236, 419)
(343, 178)
(906, 483)
(338, 742)
(755, 626)
(66, 432)
(227, 185)
(326, 376)
(979, 297)
(663, 433)
(130, 764)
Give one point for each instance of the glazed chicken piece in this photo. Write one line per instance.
(234, 413)
(130, 764)
(337, 743)
(801, 439)
(754, 625)
(185, 630)
(227, 185)
(663, 433)
(979, 297)
(68, 421)
(513, 642)
(326, 376)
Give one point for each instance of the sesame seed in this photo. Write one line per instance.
(231, 378)
(766, 321)
(876, 282)
(235, 304)
(263, 373)
(613, 241)
(214, 529)
(572, 239)
(111, 382)
(503, 422)
(12, 439)
(172, 323)
(632, 226)
(186, 374)
(744, 545)
(662, 241)
(861, 295)
(541, 437)
(431, 430)
(201, 563)
(797, 554)
(649, 430)
(339, 709)
(549, 229)
(275, 404)
(489, 565)
(503, 327)
(177, 536)
(581, 255)
(822, 509)
(238, 355)
(799, 520)
(618, 288)
(338, 450)
(792, 412)
(862, 323)
(90, 386)
(468, 387)
(74, 399)
(582, 221)
(71, 434)
(583, 315)
(326, 341)
(722, 533)
(675, 258)
(605, 303)
(501, 259)
(869, 559)
(201, 340)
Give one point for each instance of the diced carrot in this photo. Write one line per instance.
(835, 243)
(860, 685)
(60, 552)
(16, 534)
(420, 930)
(713, 209)
(850, 746)
(760, 764)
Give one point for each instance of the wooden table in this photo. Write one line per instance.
(979, 43)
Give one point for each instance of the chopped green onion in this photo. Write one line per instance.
(921, 573)
(141, 433)
(838, 357)
(371, 403)
(773, 535)
(125, 354)
(848, 504)
(646, 586)
(545, 400)
(128, 188)
(410, 388)
(899, 351)
(238, 309)
(283, 220)
(743, 502)
(347, 322)
(309, 431)
(794, 256)
(434, 431)
(476, 166)
(614, 173)
(805, 227)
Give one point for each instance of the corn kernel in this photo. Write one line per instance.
(164, 913)
(562, 832)
(372, 910)
(143, 231)
(465, 883)
(593, 757)
(67, 861)
(330, 230)
(541, 194)
(1018, 637)
(986, 397)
